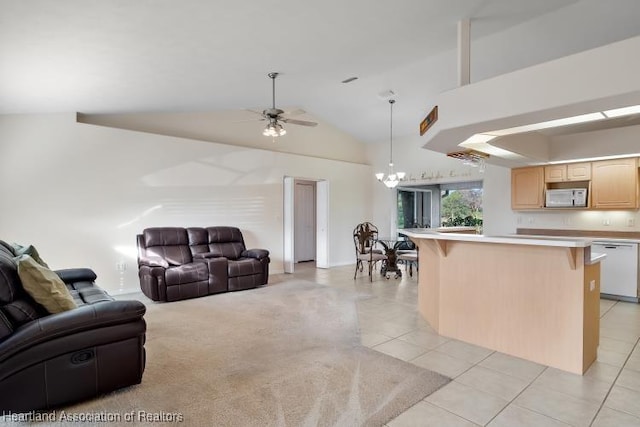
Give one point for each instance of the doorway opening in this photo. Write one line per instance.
(306, 215)
(304, 221)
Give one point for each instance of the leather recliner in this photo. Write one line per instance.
(50, 360)
(177, 263)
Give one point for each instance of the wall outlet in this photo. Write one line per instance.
(121, 266)
(606, 221)
(531, 220)
(631, 222)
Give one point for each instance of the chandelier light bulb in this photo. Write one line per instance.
(391, 182)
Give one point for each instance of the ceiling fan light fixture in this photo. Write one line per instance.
(274, 129)
(275, 116)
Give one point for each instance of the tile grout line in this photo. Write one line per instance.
(609, 309)
(454, 379)
(614, 382)
(518, 395)
(532, 381)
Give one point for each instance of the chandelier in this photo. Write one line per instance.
(392, 178)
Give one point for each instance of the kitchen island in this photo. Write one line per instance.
(532, 297)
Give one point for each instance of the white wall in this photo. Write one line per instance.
(584, 24)
(80, 193)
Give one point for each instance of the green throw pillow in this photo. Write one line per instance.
(28, 250)
(44, 286)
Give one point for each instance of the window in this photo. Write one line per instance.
(461, 204)
(414, 208)
(458, 204)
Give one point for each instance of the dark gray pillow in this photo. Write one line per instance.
(30, 250)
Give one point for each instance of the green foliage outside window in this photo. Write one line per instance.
(461, 208)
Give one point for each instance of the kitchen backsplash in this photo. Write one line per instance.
(565, 219)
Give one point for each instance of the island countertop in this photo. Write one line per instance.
(534, 297)
(567, 242)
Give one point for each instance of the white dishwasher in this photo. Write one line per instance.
(619, 270)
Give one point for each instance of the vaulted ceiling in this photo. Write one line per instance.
(201, 56)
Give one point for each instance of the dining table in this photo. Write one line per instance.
(390, 245)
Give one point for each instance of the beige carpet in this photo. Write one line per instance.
(282, 355)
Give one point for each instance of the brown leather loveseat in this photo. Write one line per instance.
(49, 360)
(177, 263)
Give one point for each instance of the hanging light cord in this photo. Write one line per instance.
(391, 102)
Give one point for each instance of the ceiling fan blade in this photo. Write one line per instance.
(260, 113)
(299, 122)
(249, 120)
(295, 112)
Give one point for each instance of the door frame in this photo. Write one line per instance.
(322, 222)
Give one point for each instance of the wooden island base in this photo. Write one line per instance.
(531, 298)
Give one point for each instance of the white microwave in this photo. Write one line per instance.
(566, 198)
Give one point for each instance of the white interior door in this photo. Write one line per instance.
(304, 222)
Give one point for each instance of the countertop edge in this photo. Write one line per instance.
(596, 258)
(528, 240)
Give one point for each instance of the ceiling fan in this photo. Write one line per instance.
(275, 116)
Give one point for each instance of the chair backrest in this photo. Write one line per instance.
(364, 237)
(405, 245)
(170, 243)
(222, 241)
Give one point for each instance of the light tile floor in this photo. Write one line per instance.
(487, 387)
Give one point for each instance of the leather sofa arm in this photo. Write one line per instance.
(153, 261)
(86, 317)
(73, 275)
(255, 253)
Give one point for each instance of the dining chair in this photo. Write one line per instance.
(365, 236)
(407, 254)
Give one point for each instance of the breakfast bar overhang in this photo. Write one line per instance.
(534, 298)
